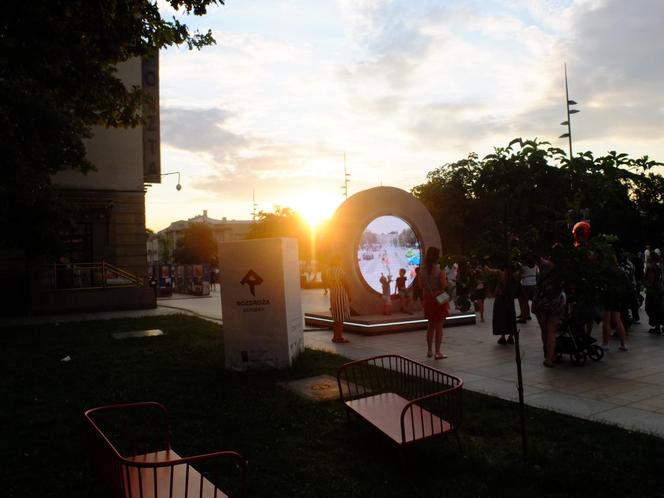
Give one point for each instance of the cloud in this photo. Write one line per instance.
(200, 130)
(615, 66)
(453, 125)
(403, 87)
(266, 162)
(618, 44)
(513, 84)
(225, 160)
(448, 76)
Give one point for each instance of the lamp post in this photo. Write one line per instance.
(568, 123)
(344, 187)
(178, 186)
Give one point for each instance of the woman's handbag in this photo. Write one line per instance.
(443, 298)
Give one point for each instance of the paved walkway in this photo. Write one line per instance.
(625, 389)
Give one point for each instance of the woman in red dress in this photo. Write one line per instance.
(433, 281)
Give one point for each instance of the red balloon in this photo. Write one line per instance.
(581, 232)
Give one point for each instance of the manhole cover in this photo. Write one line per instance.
(319, 388)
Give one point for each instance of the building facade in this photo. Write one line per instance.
(160, 246)
(102, 261)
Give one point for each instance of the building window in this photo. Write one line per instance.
(77, 245)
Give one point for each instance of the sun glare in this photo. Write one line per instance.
(314, 211)
(313, 216)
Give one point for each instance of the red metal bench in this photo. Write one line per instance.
(156, 471)
(405, 400)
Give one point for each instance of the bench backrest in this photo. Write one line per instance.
(407, 378)
(116, 432)
(131, 447)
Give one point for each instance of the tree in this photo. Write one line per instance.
(407, 237)
(166, 249)
(448, 195)
(528, 195)
(368, 239)
(283, 222)
(196, 246)
(522, 199)
(57, 80)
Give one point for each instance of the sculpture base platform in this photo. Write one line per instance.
(384, 324)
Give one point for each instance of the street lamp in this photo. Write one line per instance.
(568, 123)
(178, 186)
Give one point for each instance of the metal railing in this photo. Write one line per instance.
(99, 275)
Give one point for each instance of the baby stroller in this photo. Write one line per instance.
(574, 341)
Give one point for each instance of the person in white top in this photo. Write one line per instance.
(646, 255)
(528, 274)
(451, 272)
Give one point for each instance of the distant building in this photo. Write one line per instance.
(160, 246)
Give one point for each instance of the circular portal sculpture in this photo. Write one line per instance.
(379, 230)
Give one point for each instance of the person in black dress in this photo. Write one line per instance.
(504, 313)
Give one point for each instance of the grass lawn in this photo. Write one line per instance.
(295, 447)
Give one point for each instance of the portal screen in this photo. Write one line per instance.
(387, 245)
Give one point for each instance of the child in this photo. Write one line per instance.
(404, 295)
(387, 299)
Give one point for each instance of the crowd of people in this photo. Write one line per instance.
(584, 285)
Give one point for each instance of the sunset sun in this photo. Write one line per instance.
(315, 211)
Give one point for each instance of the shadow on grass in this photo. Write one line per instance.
(295, 447)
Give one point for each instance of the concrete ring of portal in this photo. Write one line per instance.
(349, 222)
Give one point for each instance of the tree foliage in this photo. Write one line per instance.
(196, 246)
(283, 222)
(57, 80)
(528, 195)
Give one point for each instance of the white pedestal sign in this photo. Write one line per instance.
(260, 301)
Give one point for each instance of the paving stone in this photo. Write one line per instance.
(572, 405)
(633, 419)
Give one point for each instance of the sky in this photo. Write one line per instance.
(398, 88)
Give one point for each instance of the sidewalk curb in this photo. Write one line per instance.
(190, 312)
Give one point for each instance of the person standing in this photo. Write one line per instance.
(339, 299)
(613, 295)
(403, 292)
(528, 273)
(503, 321)
(214, 279)
(417, 289)
(451, 273)
(549, 305)
(434, 282)
(631, 301)
(386, 295)
(654, 293)
(153, 286)
(478, 294)
(646, 257)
